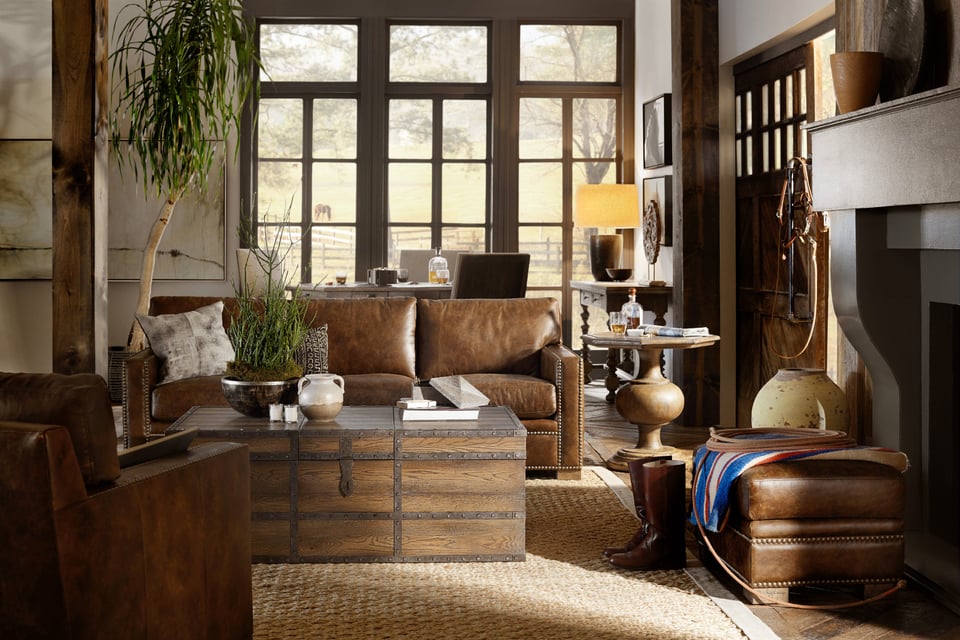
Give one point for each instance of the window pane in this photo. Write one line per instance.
(334, 249)
(409, 193)
(581, 254)
(541, 192)
(594, 128)
(335, 129)
(464, 129)
(278, 191)
(334, 192)
(463, 239)
(464, 193)
(411, 129)
(568, 53)
(287, 239)
(280, 128)
(541, 130)
(593, 173)
(405, 238)
(431, 53)
(308, 52)
(545, 246)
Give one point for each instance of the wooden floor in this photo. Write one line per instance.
(909, 613)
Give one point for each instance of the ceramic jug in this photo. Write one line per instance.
(321, 396)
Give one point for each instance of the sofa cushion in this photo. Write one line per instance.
(311, 353)
(79, 402)
(375, 388)
(368, 335)
(529, 397)
(456, 337)
(172, 399)
(192, 343)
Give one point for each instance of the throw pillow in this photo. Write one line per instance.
(311, 353)
(189, 344)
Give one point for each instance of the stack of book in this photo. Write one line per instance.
(669, 332)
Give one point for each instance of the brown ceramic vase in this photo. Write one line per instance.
(856, 78)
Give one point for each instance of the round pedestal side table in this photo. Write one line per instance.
(650, 401)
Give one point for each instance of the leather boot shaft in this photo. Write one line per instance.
(663, 547)
(635, 469)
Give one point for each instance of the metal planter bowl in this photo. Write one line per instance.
(254, 398)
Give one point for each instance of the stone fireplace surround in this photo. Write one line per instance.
(890, 177)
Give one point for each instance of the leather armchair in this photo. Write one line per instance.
(87, 549)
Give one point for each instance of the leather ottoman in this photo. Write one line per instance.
(814, 522)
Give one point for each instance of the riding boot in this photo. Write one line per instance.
(664, 494)
(635, 469)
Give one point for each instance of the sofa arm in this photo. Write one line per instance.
(564, 368)
(141, 372)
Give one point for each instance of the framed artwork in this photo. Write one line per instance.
(657, 208)
(656, 132)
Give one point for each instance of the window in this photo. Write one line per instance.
(375, 134)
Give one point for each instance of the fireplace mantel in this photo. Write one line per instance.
(890, 177)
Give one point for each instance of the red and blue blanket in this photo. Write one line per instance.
(715, 471)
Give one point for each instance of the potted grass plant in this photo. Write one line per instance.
(269, 323)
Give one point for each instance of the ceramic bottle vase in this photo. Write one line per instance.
(856, 78)
(800, 398)
(321, 396)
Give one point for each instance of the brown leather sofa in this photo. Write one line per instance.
(510, 349)
(814, 522)
(90, 550)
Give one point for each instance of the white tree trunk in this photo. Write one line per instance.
(138, 340)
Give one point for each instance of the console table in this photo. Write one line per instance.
(649, 401)
(364, 290)
(369, 487)
(610, 296)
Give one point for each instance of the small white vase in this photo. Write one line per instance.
(800, 398)
(321, 396)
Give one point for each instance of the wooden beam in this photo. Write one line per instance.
(80, 128)
(696, 197)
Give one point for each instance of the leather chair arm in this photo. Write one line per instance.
(172, 535)
(141, 372)
(564, 369)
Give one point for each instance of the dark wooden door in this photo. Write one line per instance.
(773, 319)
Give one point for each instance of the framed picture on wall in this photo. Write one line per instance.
(657, 203)
(656, 132)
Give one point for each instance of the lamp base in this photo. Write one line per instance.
(605, 251)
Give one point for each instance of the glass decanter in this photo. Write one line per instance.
(632, 310)
(437, 267)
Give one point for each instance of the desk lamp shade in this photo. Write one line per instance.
(606, 205)
(800, 398)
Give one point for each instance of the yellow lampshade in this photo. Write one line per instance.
(606, 205)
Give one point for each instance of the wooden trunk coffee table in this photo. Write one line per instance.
(369, 487)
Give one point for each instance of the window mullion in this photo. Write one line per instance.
(306, 214)
(436, 172)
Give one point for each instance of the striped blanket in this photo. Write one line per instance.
(714, 473)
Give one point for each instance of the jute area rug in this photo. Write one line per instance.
(564, 589)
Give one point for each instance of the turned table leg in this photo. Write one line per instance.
(585, 349)
(650, 401)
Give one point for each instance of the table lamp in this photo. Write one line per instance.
(606, 205)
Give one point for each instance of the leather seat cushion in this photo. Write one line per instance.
(820, 489)
(529, 397)
(172, 399)
(375, 388)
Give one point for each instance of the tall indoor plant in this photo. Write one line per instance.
(183, 70)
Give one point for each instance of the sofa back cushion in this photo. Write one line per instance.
(79, 402)
(368, 335)
(455, 337)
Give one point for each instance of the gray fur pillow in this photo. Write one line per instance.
(189, 344)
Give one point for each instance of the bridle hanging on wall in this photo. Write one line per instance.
(797, 223)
